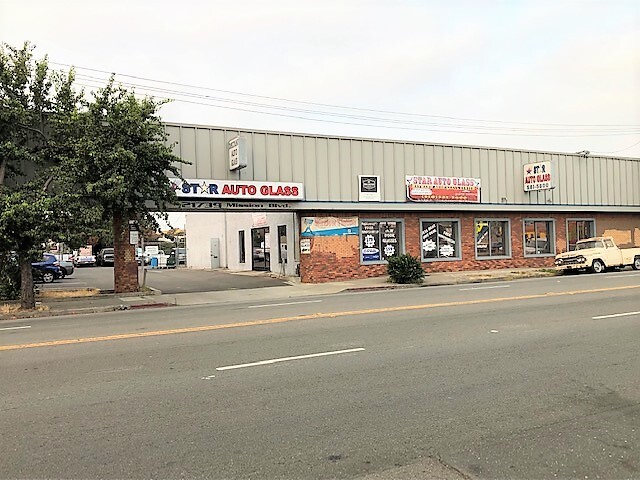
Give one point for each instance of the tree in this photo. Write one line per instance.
(121, 162)
(37, 111)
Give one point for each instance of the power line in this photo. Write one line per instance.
(83, 77)
(324, 105)
(298, 117)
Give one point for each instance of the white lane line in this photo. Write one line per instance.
(287, 359)
(16, 328)
(614, 315)
(485, 288)
(208, 378)
(280, 304)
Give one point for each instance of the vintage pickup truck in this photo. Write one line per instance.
(598, 254)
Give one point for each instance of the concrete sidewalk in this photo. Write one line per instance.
(294, 289)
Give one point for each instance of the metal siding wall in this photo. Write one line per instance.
(635, 167)
(438, 152)
(219, 149)
(322, 168)
(297, 159)
(347, 174)
(272, 156)
(598, 183)
(430, 160)
(259, 156)
(335, 169)
(388, 172)
(188, 152)
(419, 162)
(329, 167)
(501, 165)
(356, 167)
(409, 160)
(310, 169)
(367, 157)
(286, 167)
(173, 140)
(399, 172)
(611, 183)
(447, 154)
(485, 177)
(377, 151)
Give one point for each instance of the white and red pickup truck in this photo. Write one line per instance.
(598, 254)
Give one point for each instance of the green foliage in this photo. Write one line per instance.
(405, 269)
(121, 159)
(10, 274)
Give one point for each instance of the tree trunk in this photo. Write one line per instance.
(27, 294)
(125, 266)
(3, 170)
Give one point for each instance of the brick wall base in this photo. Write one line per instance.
(338, 258)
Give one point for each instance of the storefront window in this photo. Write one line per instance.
(440, 239)
(579, 229)
(492, 238)
(538, 238)
(380, 240)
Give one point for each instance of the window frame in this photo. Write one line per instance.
(458, 240)
(592, 220)
(401, 221)
(524, 238)
(507, 235)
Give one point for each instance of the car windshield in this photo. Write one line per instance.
(589, 244)
(108, 250)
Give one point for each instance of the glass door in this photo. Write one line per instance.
(261, 252)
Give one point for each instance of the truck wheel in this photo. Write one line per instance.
(597, 266)
(636, 263)
(47, 277)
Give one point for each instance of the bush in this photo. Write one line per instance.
(405, 269)
(9, 278)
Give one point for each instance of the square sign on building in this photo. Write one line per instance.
(537, 176)
(237, 153)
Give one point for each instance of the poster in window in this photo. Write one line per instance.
(429, 240)
(389, 238)
(370, 246)
(446, 240)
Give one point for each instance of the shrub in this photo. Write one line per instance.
(9, 278)
(405, 269)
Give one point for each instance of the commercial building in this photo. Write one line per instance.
(347, 204)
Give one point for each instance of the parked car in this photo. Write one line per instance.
(598, 254)
(84, 257)
(66, 266)
(181, 255)
(105, 257)
(47, 270)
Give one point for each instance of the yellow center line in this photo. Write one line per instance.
(370, 311)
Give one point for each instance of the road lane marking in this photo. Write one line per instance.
(312, 316)
(614, 315)
(288, 359)
(15, 328)
(484, 288)
(208, 378)
(281, 304)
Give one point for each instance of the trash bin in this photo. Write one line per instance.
(154, 262)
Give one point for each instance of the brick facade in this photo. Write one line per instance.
(338, 257)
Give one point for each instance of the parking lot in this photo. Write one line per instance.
(178, 280)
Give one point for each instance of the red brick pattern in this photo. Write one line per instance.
(338, 258)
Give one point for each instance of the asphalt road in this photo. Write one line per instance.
(528, 379)
(170, 281)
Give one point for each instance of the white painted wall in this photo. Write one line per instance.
(201, 227)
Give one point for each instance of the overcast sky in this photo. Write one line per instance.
(554, 75)
(544, 62)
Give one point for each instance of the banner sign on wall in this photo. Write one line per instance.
(329, 226)
(537, 176)
(443, 189)
(228, 189)
(369, 188)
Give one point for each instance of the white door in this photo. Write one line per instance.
(215, 253)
